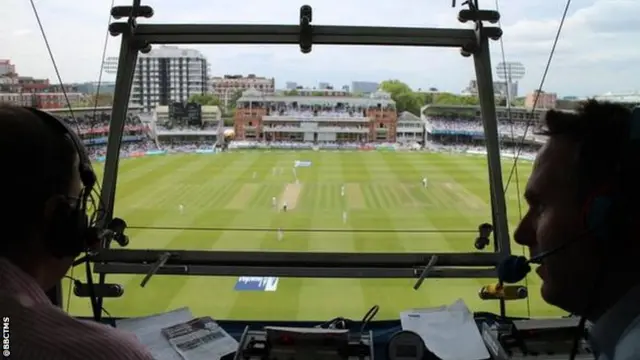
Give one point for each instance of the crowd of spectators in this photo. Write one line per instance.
(475, 126)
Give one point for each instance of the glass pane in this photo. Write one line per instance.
(300, 299)
(341, 201)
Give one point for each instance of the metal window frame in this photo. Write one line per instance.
(139, 37)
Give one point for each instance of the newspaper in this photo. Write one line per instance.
(200, 338)
(148, 330)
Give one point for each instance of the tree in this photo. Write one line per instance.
(233, 99)
(406, 99)
(291, 93)
(93, 100)
(204, 99)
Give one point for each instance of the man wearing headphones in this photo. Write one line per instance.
(41, 184)
(580, 202)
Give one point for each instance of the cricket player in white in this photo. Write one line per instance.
(344, 217)
(274, 202)
(424, 182)
(284, 206)
(280, 234)
(342, 190)
(181, 209)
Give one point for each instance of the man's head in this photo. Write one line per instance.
(581, 159)
(40, 178)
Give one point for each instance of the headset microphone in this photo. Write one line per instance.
(514, 269)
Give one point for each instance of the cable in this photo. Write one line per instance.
(368, 317)
(535, 102)
(248, 229)
(102, 62)
(508, 104)
(53, 61)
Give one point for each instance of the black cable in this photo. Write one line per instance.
(248, 229)
(102, 62)
(368, 317)
(510, 119)
(535, 102)
(53, 61)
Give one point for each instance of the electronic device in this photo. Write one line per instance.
(280, 343)
(540, 339)
(406, 345)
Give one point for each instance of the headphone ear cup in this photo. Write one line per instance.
(67, 231)
(59, 230)
(597, 216)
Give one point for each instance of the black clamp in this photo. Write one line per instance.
(306, 29)
(478, 16)
(128, 28)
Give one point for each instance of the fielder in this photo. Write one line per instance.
(424, 182)
(342, 190)
(284, 206)
(274, 202)
(344, 217)
(181, 209)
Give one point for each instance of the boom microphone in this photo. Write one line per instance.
(514, 269)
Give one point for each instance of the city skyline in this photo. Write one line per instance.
(529, 31)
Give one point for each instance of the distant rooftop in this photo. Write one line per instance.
(626, 97)
(379, 97)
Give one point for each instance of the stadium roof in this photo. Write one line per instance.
(408, 117)
(379, 97)
(477, 107)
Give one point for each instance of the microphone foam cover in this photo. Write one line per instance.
(513, 269)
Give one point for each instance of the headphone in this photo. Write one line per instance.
(71, 231)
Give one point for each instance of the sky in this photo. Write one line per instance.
(598, 50)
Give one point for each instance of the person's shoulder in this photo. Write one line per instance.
(628, 346)
(112, 343)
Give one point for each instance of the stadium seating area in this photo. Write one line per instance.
(472, 126)
(141, 139)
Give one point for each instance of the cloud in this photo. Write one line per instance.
(595, 54)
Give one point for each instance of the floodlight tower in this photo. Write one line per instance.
(510, 73)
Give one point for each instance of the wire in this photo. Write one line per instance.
(248, 229)
(102, 62)
(368, 317)
(508, 105)
(535, 102)
(53, 61)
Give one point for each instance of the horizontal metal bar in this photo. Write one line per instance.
(290, 34)
(306, 259)
(297, 272)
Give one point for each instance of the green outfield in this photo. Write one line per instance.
(234, 190)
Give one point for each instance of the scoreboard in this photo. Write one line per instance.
(189, 113)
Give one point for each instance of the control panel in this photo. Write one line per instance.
(543, 339)
(286, 343)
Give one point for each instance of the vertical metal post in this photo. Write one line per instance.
(482, 62)
(124, 78)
